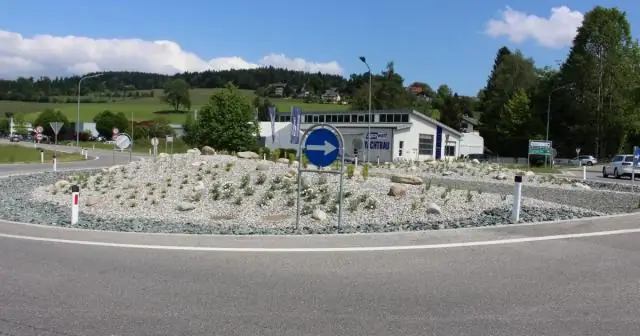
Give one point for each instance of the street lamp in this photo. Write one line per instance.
(549, 113)
(78, 116)
(364, 60)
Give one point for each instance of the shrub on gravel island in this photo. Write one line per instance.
(226, 122)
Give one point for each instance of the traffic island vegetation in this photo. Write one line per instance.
(22, 154)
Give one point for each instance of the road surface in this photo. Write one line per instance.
(566, 278)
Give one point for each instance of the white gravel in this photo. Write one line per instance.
(157, 189)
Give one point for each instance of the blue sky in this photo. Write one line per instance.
(439, 42)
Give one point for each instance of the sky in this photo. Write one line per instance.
(438, 42)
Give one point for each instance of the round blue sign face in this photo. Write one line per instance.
(322, 147)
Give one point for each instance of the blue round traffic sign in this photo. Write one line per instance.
(322, 147)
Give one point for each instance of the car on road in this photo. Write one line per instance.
(585, 160)
(621, 165)
(15, 138)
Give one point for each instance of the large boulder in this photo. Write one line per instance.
(248, 155)
(406, 179)
(397, 190)
(207, 150)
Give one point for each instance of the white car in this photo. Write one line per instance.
(584, 160)
(621, 165)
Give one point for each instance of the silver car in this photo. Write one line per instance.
(621, 165)
(585, 160)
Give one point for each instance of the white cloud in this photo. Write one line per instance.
(556, 31)
(48, 55)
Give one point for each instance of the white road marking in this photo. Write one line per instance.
(327, 249)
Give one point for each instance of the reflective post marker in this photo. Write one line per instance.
(42, 156)
(86, 153)
(55, 163)
(517, 195)
(378, 159)
(584, 173)
(75, 203)
(355, 162)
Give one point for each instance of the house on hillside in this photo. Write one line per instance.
(331, 96)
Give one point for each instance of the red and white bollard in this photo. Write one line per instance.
(41, 156)
(75, 203)
(55, 163)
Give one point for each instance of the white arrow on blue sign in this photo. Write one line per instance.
(321, 147)
(636, 155)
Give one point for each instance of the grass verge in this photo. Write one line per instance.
(22, 154)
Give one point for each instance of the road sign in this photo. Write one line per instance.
(39, 137)
(56, 126)
(636, 155)
(169, 138)
(540, 147)
(39, 129)
(115, 131)
(321, 147)
(123, 141)
(154, 142)
(578, 151)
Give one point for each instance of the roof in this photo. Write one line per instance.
(435, 122)
(470, 120)
(414, 113)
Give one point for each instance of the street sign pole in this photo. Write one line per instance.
(636, 160)
(578, 156)
(322, 144)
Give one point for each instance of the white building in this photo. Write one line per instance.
(395, 134)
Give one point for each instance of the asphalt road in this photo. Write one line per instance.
(97, 159)
(595, 174)
(55, 282)
(564, 287)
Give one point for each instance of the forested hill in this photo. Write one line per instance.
(37, 89)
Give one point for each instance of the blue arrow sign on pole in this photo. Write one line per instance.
(322, 147)
(636, 155)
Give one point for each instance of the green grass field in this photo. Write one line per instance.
(143, 108)
(22, 154)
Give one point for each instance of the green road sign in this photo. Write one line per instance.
(538, 147)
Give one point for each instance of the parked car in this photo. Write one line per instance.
(15, 138)
(584, 160)
(479, 157)
(621, 165)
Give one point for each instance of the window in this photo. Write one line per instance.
(401, 146)
(425, 144)
(360, 118)
(617, 158)
(397, 118)
(315, 119)
(354, 118)
(405, 118)
(450, 149)
(383, 118)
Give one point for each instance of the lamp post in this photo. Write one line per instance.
(78, 116)
(549, 114)
(364, 60)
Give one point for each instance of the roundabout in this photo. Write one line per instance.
(571, 276)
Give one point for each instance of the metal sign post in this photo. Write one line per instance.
(154, 143)
(322, 144)
(578, 156)
(540, 147)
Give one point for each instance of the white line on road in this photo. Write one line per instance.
(326, 249)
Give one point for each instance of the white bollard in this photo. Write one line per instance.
(264, 157)
(378, 159)
(584, 173)
(55, 163)
(517, 196)
(355, 162)
(149, 151)
(75, 203)
(94, 146)
(86, 154)
(41, 156)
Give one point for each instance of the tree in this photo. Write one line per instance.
(46, 117)
(107, 120)
(176, 94)
(4, 126)
(388, 92)
(227, 122)
(160, 128)
(600, 72)
(20, 124)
